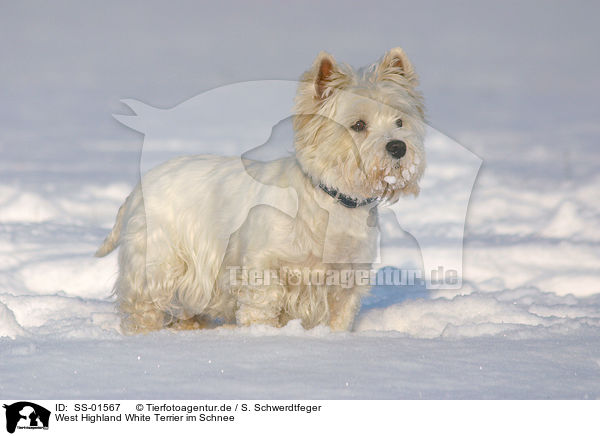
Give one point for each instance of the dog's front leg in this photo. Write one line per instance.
(343, 307)
(259, 305)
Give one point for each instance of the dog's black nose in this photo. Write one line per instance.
(396, 148)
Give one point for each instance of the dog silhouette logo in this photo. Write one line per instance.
(194, 126)
(26, 415)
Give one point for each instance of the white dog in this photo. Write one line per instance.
(359, 143)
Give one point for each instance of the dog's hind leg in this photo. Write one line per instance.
(137, 304)
(139, 313)
(343, 307)
(140, 317)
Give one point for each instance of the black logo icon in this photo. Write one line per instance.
(26, 415)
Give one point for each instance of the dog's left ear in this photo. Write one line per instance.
(395, 64)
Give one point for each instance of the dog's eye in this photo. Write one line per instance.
(399, 122)
(359, 126)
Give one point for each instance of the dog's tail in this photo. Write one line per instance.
(112, 240)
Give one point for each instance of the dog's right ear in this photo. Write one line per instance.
(327, 76)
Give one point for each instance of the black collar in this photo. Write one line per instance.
(349, 202)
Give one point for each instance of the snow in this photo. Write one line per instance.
(525, 324)
(516, 313)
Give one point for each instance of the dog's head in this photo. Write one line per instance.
(361, 133)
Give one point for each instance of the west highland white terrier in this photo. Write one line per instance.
(187, 259)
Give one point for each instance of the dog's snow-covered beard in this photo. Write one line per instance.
(361, 133)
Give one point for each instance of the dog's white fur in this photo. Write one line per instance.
(171, 228)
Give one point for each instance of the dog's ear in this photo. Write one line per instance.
(395, 64)
(327, 76)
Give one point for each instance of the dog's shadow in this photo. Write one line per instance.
(400, 283)
(384, 295)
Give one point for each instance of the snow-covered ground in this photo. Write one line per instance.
(500, 79)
